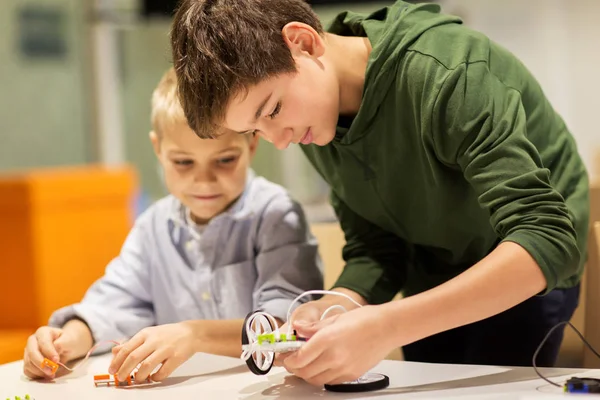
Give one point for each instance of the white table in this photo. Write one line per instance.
(212, 377)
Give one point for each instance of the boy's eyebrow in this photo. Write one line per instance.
(257, 114)
(261, 107)
(178, 152)
(229, 149)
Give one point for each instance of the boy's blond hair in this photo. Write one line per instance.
(166, 108)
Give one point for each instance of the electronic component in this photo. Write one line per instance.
(51, 365)
(111, 380)
(582, 385)
(574, 384)
(261, 339)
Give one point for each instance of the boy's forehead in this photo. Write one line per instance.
(246, 106)
(183, 138)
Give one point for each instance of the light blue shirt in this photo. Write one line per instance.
(258, 255)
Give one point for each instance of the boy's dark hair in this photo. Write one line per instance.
(223, 47)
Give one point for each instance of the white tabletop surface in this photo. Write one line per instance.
(211, 377)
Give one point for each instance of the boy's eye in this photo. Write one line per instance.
(183, 162)
(275, 111)
(227, 160)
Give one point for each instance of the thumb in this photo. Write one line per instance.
(63, 344)
(115, 350)
(306, 314)
(45, 337)
(307, 329)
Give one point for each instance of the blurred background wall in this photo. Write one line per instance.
(76, 78)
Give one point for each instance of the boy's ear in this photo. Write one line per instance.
(155, 140)
(303, 39)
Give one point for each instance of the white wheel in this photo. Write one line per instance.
(259, 362)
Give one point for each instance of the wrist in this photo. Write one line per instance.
(78, 338)
(330, 299)
(405, 321)
(388, 332)
(197, 332)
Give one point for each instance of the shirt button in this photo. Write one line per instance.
(206, 296)
(189, 245)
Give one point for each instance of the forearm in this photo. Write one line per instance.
(221, 337)
(503, 279)
(81, 336)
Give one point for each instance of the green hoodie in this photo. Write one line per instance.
(454, 149)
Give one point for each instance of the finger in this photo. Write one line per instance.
(307, 330)
(317, 368)
(306, 314)
(45, 340)
(148, 365)
(35, 356)
(133, 359)
(280, 358)
(331, 377)
(305, 355)
(343, 379)
(115, 350)
(63, 347)
(123, 351)
(167, 369)
(32, 372)
(27, 367)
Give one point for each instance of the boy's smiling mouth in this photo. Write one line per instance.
(307, 138)
(206, 197)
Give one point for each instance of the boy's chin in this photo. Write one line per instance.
(202, 219)
(324, 139)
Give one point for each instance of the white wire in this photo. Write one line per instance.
(252, 339)
(337, 306)
(289, 313)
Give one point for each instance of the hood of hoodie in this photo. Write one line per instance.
(391, 31)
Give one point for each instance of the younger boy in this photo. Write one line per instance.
(454, 179)
(224, 243)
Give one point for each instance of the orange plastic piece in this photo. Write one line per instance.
(51, 365)
(103, 380)
(111, 380)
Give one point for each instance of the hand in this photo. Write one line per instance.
(58, 345)
(342, 348)
(170, 345)
(305, 318)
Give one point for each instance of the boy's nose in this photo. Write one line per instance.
(281, 144)
(204, 175)
(283, 139)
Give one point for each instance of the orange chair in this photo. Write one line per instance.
(60, 227)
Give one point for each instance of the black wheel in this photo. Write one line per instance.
(259, 362)
(366, 383)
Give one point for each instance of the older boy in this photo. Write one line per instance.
(453, 178)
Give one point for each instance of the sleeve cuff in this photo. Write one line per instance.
(100, 331)
(368, 279)
(545, 253)
(279, 307)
